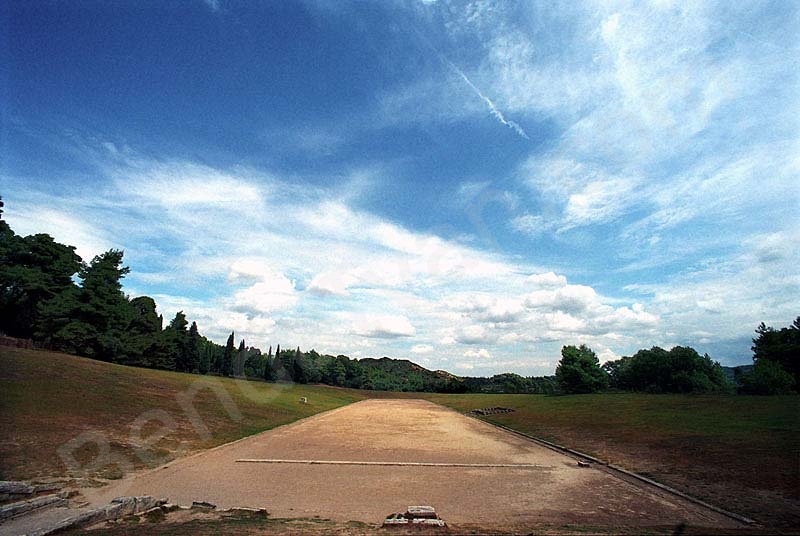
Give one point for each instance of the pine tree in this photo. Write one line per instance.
(33, 270)
(91, 320)
(579, 370)
(177, 339)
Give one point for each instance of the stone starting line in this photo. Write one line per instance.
(397, 464)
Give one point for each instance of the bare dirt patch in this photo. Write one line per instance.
(551, 490)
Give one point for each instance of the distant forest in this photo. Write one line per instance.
(40, 301)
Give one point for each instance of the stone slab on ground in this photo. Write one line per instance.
(38, 521)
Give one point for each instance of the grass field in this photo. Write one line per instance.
(48, 399)
(739, 452)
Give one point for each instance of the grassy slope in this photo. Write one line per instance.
(47, 399)
(740, 452)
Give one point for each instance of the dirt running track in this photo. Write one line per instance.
(549, 489)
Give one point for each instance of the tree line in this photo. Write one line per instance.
(776, 368)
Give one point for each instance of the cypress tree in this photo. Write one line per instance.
(193, 349)
(298, 372)
(238, 368)
(176, 338)
(279, 365)
(269, 373)
(227, 357)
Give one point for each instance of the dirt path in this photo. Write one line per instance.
(527, 485)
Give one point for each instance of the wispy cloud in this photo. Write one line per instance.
(323, 274)
(658, 193)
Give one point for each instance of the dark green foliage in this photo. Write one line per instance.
(33, 270)
(399, 375)
(279, 370)
(268, 372)
(142, 342)
(283, 365)
(286, 362)
(253, 366)
(306, 367)
(782, 347)
(679, 370)
(57, 327)
(299, 371)
(506, 383)
(193, 348)
(239, 357)
(579, 371)
(335, 372)
(227, 357)
(91, 320)
(176, 337)
(354, 375)
(766, 378)
(209, 355)
(396, 375)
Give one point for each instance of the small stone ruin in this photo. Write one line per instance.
(491, 411)
(417, 516)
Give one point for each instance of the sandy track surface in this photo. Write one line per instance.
(549, 489)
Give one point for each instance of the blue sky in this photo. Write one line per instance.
(470, 185)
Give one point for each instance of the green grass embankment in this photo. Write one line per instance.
(48, 399)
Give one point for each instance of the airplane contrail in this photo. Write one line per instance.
(495, 111)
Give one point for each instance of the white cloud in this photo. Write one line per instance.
(331, 284)
(486, 307)
(383, 326)
(265, 297)
(248, 270)
(598, 201)
(187, 185)
(530, 224)
(474, 334)
(569, 298)
(547, 280)
(270, 290)
(88, 239)
(422, 349)
(483, 353)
